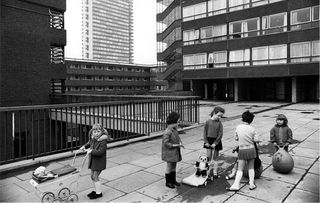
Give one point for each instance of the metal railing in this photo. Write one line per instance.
(32, 131)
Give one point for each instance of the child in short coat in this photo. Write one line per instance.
(97, 146)
(212, 135)
(281, 134)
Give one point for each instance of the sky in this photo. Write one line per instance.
(144, 15)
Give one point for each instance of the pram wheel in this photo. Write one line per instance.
(64, 193)
(47, 197)
(73, 198)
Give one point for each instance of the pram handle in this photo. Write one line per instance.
(75, 155)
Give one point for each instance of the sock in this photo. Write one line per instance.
(251, 176)
(234, 170)
(236, 184)
(98, 187)
(215, 168)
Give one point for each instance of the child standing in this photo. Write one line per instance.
(246, 137)
(97, 156)
(170, 151)
(212, 135)
(281, 134)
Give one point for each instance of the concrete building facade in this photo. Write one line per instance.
(32, 40)
(97, 77)
(238, 50)
(107, 30)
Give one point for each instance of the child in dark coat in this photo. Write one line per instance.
(281, 134)
(170, 150)
(97, 147)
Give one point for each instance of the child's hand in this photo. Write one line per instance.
(213, 146)
(82, 148)
(206, 144)
(89, 151)
(181, 145)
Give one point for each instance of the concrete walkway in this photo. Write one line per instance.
(135, 172)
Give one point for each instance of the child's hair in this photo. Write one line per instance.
(247, 117)
(216, 110)
(283, 118)
(173, 117)
(97, 126)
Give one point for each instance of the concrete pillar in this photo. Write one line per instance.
(294, 90)
(236, 90)
(205, 91)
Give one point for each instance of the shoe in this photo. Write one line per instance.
(232, 189)
(91, 193)
(173, 180)
(95, 196)
(252, 187)
(170, 185)
(229, 177)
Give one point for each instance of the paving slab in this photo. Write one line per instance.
(160, 192)
(266, 187)
(150, 150)
(315, 168)
(126, 157)
(298, 196)
(242, 198)
(293, 177)
(108, 193)
(9, 180)
(134, 197)
(310, 183)
(119, 171)
(305, 152)
(10, 191)
(302, 162)
(148, 161)
(134, 181)
(158, 169)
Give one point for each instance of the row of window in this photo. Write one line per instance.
(105, 78)
(105, 67)
(106, 88)
(300, 19)
(276, 54)
(215, 7)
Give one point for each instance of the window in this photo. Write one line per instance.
(304, 18)
(300, 52)
(251, 27)
(316, 50)
(216, 7)
(235, 29)
(206, 32)
(315, 13)
(189, 36)
(301, 16)
(235, 5)
(217, 59)
(274, 23)
(220, 32)
(239, 57)
(260, 55)
(194, 12)
(56, 55)
(278, 54)
(195, 61)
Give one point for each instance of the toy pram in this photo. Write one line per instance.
(61, 181)
(196, 179)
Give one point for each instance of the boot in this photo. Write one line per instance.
(173, 176)
(168, 181)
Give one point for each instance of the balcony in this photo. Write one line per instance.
(33, 131)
